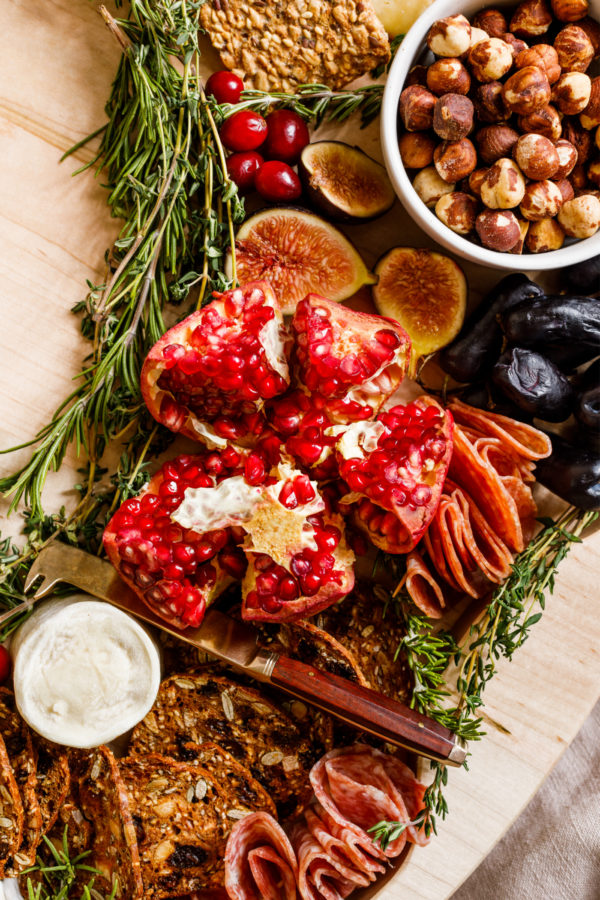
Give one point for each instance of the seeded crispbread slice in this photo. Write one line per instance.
(53, 779)
(182, 822)
(200, 706)
(11, 809)
(104, 802)
(371, 632)
(277, 46)
(19, 745)
(235, 779)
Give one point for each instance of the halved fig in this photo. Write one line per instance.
(297, 253)
(352, 359)
(425, 292)
(395, 470)
(209, 377)
(203, 518)
(344, 182)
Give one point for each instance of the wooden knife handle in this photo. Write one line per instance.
(385, 718)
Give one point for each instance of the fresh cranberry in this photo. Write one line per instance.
(242, 168)
(276, 181)
(4, 664)
(287, 137)
(244, 130)
(225, 87)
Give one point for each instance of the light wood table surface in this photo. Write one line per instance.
(57, 61)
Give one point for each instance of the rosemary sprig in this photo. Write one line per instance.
(387, 832)
(60, 873)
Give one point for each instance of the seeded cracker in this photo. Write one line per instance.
(277, 45)
(104, 802)
(53, 779)
(19, 745)
(198, 707)
(182, 820)
(11, 809)
(371, 632)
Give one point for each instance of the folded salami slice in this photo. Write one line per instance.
(422, 588)
(260, 863)
(318, 879)
(342, 853)
(523, 439)
(481, 480)
(514, 479)
(359, 786)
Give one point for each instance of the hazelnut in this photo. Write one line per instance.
(592, 29)
(544, 235)
(544, 57)
(495, 141)
(478, 34)
(536, 156)
(458, 211)
(416, 149)
(578, 179)
(490, 59)
(489, 103)
(516, 44)
(503, 186)
(453, 117)
(417, 75)
(569, 10)
(590, 117)
(491, 21)
(450, 36)
(574, 48)
(531, 18)
(475, 179)
(416, 108)
(523, 228)
(448, 76)
(566, 189)
(593, 172)
(527, 90)
(544, 121)
(430, 187)
(541, 200)
(498, 229)
(454, 160)
(581, 140)
(580, 217)
(571, 93)
(567, 159)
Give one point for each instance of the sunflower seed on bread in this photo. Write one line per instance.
(277, 46)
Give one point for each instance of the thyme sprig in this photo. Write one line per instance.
(317, 103)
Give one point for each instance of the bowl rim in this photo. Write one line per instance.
(426, 219)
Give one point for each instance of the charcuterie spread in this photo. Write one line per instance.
(276, 429)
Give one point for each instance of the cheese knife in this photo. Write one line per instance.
(236, 643)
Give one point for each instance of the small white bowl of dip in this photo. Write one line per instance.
(84, 671)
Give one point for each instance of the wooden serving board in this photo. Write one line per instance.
(57, 63)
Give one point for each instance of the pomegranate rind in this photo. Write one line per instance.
(390, 525)
(338, 352)
(165, 407)
(298, 253)
(425, 292)
(345, 183)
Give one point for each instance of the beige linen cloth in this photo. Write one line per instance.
(552, 852)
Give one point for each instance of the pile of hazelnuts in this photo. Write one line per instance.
(504, 126)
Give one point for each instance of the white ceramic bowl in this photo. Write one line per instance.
(410, 49)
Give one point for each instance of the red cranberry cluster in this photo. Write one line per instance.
(280, 137)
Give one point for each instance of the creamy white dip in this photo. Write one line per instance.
(84, 671)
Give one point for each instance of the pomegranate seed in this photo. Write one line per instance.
(252, 600)
(304, 489)
(288, 589)
(173, 572)
(287, 496)
(266, 584)
(388, 338)
(184, 554)
(254, 469)
(300, 567)
(270, 604)
(327, 538)
(233, 562)
(149, 502)
(204, 551)
(310, 585)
